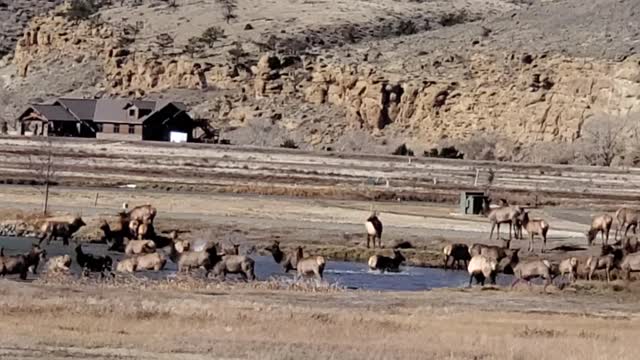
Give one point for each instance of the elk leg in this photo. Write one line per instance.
(498, 232)
(510, 226)
(544, 242)
(515, 282)
(493, 226)
(608, 276)
(446, 262)
(470, 279)
(368, 237)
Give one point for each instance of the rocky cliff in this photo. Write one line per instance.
(521, 96)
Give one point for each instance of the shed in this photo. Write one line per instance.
(472, 202)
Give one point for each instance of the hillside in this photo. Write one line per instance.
(368, 75)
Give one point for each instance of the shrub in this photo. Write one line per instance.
(402, 150)
(212, 35)
(447, 152)
(289, 144)
(81, 9)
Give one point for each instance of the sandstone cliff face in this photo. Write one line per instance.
(528, 99)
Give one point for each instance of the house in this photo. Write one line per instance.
(117, 119)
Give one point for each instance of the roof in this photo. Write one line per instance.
(103, 110)
(83, 109)
(54, 112)
(115, 110)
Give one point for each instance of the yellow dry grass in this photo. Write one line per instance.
(245, 322)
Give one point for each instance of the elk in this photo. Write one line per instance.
(631, 262)
(481, 268)
(525, 271)
(374, 229)
(385, 263)
(627, 218)
(144, 214)
(569, 266)
(21, 264)
(155, 262)
(235, 264)
(313, 265)
(535, 227)
(606, 262)
(234, 250)
(59, 265)
(60, 229)
(92, 263)
(188, 260)
(457, 252)
(115, 238)
(498, 254)
(135, 247)
(503, 215)
(129, 265)
(600, 224)
(287, 261)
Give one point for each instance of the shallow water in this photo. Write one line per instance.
(347, 274)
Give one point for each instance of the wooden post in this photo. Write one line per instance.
(95, 203)
(45, 206)
(475, 182)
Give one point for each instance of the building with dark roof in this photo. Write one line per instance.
(118, 119)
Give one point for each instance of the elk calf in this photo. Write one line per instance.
(135, 247)
(313, 265)
(385, 263)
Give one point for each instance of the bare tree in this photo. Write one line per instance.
(602, 140)
(43, 167)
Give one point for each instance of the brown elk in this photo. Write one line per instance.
(533, 228)
(287, 261)
(144, 214)
(206, 258)
(600, 224)
(627, 219)
(503, 215)
(525, 271)
(135, 247)
(235, 264)
(60, 229)
(385, 263)
(21, 264)
(374, 229)
(457, 252)
(631, 262)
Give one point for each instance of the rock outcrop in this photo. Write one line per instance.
(525, 97)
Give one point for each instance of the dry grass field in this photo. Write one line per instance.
(168, 321)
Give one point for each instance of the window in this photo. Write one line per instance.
(132, 129)
(98, 127)
(132, 112)
(116, 128)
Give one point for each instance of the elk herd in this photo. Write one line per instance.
(144, 249)
(485, 261)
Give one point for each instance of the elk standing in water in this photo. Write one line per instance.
(457, 252)
(482, 268)
(525, 271)
(374, 229)
(385, 263)
(601, 224)
(287, 261)
(21, 264)
(535, 227)
(627, 218)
